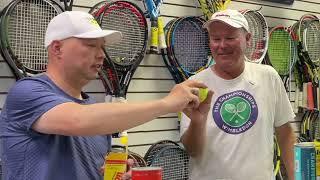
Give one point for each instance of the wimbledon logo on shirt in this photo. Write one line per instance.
(235, 112)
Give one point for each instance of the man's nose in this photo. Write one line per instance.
(101, 53)
(222, 43)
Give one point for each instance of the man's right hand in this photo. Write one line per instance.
(184, 95)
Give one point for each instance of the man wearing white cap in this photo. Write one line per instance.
(234, 140)
(50, 129)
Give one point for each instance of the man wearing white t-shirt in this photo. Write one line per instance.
(233, 138)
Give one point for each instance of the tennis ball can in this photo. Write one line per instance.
(147, 173)
(305, 161)
(317, 146)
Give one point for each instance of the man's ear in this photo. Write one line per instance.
(55, 47)
(248, 39)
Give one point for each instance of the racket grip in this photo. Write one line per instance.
(315, 96)
(310, 96)
(296, 100)
(318, 93)
(161, 38)
(305, 95)
(154, 37)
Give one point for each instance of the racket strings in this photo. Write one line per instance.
(26, 28)
(124, 20)
(280, 51)
(175, 163)
(190, 47)
(311, 41)
(317, 128)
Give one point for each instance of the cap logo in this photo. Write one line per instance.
(225, 15)
(94, 22)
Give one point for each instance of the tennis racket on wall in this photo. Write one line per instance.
(157, 35)
(126, 55)
(123, 58)
(109, 78)
(154, 148)
(23, 26)
(187, 51)
(259, 36)
(164, 53)
(174, 162)
(67, 4)
(98, 8)
(282, 53)
(311, 54)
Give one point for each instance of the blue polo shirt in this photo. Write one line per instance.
(30, 155)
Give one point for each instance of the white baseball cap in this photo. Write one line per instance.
(231, 17)
(80, 25)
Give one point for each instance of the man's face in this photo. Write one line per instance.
(227, 43)
(83, 57)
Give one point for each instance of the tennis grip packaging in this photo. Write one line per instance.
(115, 165)
(305, 161)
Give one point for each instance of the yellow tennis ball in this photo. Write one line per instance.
(203, 93)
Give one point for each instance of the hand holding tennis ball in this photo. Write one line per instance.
(203, 93)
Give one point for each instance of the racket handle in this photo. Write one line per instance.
(296, 100)
(300, 98)
(318, 103)
(154, 37)
(161, 38)
(310, 101)
(314, 93)
(305, 95)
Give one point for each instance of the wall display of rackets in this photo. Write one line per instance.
(290, 50)
(307, 31)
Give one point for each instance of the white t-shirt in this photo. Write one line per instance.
(240, 124)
